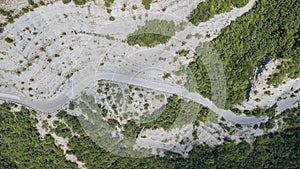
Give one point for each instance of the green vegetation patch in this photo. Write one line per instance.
(154, 32)
(66, 1)
(175, 114)
(22, 147)
(200, 75)
(290, 118)
(79, 2)
(258, 112)
(206, 74)
(76, 2)
(288, 69)
(108, 3)
(208, 9)
(9, 40)
(183, 52)
(270, 29)
(11, 15)
(72, 122)
(147, 3)
(61, 129)
(30, 2)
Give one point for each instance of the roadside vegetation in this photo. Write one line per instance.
(175, 114)
(208, 9)
(206, 74)
(288, 69)
(199, 76)
(258, 112)
(288, 119)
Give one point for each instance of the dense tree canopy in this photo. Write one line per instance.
(22, 147)
(269, 30)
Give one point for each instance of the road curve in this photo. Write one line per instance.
(52, 105)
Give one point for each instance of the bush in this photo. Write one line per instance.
(108, 3)
(111, 18)
(79, 2)
(30, 2)
(146, 3)
(9, 40)
(66, 1)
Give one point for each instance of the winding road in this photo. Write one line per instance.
(52, 105)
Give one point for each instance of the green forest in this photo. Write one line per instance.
(209, 8)
(278, 150)
(22, 147)
(206, 74)
(269, 30)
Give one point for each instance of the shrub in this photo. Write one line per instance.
(66, 1)
(79, 2)
(9, 40)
